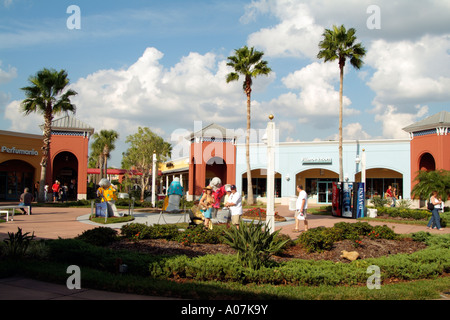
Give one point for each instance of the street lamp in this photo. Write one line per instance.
(270, 141)
(154, 179)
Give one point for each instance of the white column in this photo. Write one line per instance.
(154, 173)
(363, 168)
(270, 211)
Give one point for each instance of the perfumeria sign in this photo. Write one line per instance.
(13, 150)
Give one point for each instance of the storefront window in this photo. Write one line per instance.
(15, 176)
(377, 187)
(260, 187)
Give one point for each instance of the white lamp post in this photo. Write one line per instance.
(154, 179)
(270, 210)
(362, 161)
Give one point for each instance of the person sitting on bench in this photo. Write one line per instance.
(25, 200)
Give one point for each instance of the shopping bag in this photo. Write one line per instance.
(101, 209)
(301, 215)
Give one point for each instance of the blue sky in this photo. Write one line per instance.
(162, 64)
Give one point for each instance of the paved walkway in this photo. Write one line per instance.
(53, 223)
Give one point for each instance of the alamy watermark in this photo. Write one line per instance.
(374, 281)
(74, 281)
(73, 21)
(374, 20)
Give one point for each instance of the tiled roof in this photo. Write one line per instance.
(70, 123)
(214, 131)
(441, 119)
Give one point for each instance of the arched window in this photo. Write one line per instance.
(427, 162)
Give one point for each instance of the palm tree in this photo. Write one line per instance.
(103, 144)
(48, 95)
(247, 62)
(339, 44)
(429, 181)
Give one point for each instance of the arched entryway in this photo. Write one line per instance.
(65, 170)
(318, 184)
(215, 167)
(15, 176)
(259, 183)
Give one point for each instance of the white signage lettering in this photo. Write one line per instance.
(317, 161)
(13, 150)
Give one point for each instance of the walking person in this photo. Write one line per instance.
(235, 205)
(435, 220)
(301, 207)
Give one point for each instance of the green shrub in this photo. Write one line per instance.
(81, 253)
(254, 244)
(385, 232)
(318, 239)
(379, 202)
(16, 244)
(161, 231)
(321, 239)
(421, 236)
(198, 234)
(101, 236)
(130, 230)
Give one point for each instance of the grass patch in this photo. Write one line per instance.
(111, 220)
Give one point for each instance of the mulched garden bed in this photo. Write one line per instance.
(257, 213)
(368, 249)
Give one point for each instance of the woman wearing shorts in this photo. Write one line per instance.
(206, 204)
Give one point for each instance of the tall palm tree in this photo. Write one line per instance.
(103, 144)
(47, 94)
(339, 44)
(247, 62)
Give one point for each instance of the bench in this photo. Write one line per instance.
(13, 210)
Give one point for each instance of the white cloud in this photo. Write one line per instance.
(7, 76)
(295, 35)
(410, 72)
(392, 121)
(148, 94)
(352, 131)
(316, 97)
(7, 3)
(21, 123)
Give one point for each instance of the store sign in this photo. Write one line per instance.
(13, 150)
(317, 161)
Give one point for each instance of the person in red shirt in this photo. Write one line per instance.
(55, 189)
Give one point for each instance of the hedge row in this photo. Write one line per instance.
(416, 214)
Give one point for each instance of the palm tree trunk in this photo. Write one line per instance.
(247, 152)
(341, 90)
(45, 151)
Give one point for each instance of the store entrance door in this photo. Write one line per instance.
(324, 192)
